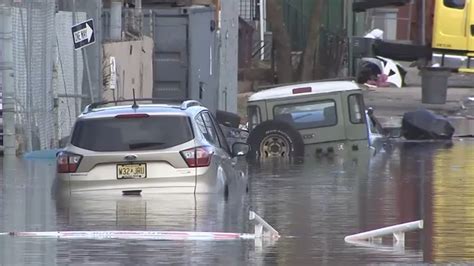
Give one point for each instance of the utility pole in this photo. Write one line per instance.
(6, 66)
(77, 106)
(423, 22)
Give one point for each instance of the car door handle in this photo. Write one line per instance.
(472, 29)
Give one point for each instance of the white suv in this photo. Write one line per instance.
(178, 148)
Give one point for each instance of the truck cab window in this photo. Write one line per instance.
(459, 4)
(356, 110)
(307, 115)
(254, 116)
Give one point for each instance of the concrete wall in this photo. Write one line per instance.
(228, 56)
(134, 69)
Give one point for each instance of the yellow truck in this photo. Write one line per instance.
(452, 44)
(453, 34)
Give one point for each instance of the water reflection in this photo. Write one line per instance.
(314, 206)
(449, 206)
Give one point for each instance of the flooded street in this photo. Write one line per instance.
(313, 206)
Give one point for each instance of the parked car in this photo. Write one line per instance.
(169, 147)
(318, 118)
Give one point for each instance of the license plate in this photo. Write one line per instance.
(130, 171)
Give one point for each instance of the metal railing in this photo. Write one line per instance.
(397, 231)
(262, 230)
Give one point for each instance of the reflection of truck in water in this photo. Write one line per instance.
(451, 46)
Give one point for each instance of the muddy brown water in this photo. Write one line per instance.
(314, 206)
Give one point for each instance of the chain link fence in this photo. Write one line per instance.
(33, 35)
(52, 82)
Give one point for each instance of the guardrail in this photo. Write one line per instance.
(398, 231)
(262, 228)
(262, 231)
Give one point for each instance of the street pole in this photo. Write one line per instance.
(423, 22)
(262, 30)
(88, 72)
(6, 66)
(350, 19)
(74, 57)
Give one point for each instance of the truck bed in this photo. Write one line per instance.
(402, 51)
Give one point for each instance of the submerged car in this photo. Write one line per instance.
(305, 119)
(169, 147)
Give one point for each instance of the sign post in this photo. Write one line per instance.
(82, 36)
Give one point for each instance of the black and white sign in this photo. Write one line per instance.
(83, 34)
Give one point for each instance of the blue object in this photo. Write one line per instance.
(42, 155)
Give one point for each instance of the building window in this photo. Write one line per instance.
(458, 4)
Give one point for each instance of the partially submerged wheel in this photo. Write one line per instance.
(275, 139)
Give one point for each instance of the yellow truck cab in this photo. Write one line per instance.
(308, 119)
(453, 34)
(452, 43)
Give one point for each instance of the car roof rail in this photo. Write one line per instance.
(95, 105)
(189, 103)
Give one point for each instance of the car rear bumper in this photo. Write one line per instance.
(204, 182)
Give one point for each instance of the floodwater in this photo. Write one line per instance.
(313, 206)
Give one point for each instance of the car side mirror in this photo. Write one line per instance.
(240, 149)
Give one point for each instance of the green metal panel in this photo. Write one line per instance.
(297, 14)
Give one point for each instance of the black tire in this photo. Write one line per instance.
(228, 119)
(264, 141)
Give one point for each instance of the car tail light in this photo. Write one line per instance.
(197, 157)
(302, 90)
(132, 116)
(67, 162)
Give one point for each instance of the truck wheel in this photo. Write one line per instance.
(275, 139)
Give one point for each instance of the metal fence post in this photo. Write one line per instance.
(6, 37)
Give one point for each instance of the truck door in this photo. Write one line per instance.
(354, 113)
(470, 25)
(451, 24)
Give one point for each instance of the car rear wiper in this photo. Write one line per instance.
(142, 145)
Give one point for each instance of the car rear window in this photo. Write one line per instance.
(307, 115)
(127, 134)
